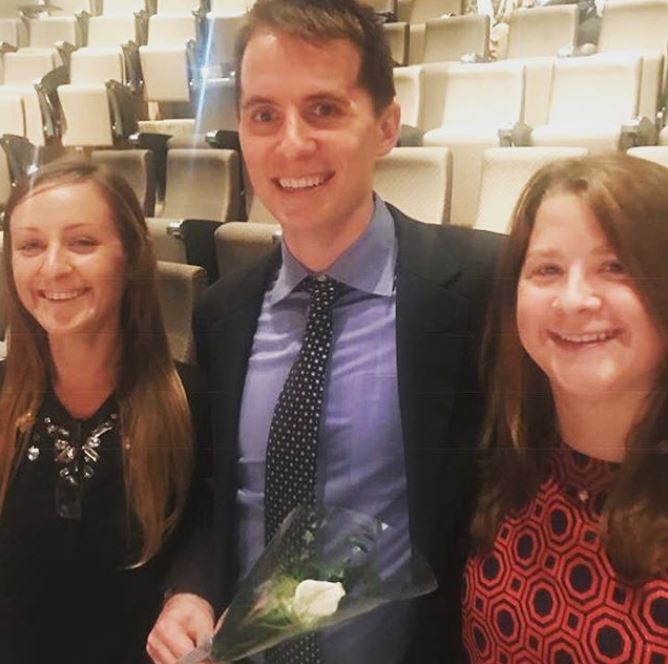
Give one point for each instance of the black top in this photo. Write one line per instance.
(66, 593)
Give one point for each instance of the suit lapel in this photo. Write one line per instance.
(432, 323)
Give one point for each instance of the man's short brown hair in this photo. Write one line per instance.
(322, 20)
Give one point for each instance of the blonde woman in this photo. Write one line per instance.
(95, 428)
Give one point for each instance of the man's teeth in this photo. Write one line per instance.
(301, 183)
(588, 337)
(62, 295)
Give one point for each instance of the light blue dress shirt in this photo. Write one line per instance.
(361, 464)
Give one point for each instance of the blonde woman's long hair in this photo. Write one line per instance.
(629, 198)
(155, 424)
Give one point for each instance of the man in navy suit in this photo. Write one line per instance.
(401, 404)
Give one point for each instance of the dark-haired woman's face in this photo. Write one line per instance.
(579, 315)
(68, 260)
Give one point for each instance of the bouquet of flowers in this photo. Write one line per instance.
(320, 569)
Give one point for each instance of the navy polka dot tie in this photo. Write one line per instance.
(293, 439)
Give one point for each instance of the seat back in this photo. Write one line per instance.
(178, 6)
(242, 243)
(12, 116)
(416, 180)
(25, 67)
(122, 7)
(448, 39)
(229, 7)
(107, 31)
(505, 172)
(10, 8)
(655, 153)
(595, 90)
(396, 35)
(218, 108)
(631, 24)
(87, 118)
(202, 184)
(221, 36)
(89, 66)
(423, 10)
(47, 31)
(171, 30)
(72, 7)
(490, 94)
(179, 287)
(138, 168)
(408, 86)
(434, 81)
(13, 31)
(541, 31)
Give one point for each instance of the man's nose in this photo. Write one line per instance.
(297, 137)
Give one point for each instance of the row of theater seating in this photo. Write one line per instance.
(235, 244)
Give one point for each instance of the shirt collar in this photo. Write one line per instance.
(368, 265)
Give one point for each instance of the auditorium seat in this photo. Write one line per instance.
(242, 243)
(47, 31)
(166, 238)
(137, 167)
(25, 78)
(639, 27)
(397, 37)
(13, 31)
(122, 7)
(408, 87)
(179, 286)
(75, 7)
(420, 11)
(482, 108)
(542, 31)
(229, 7)
(448, 39)
(418, 181)
(594, 103)
(202, 184)
(505, 171)
(221, 34)
(168, 60)
(656, 153)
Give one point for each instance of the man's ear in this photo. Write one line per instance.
(388, 128)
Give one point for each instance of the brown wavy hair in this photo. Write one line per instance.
(154, 415)
(629, 198)
(322, 20)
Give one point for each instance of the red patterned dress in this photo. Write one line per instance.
(546, 592)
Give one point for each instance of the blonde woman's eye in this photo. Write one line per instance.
(29, 247)
(614, 267)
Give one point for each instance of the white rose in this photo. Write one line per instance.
(314, 600)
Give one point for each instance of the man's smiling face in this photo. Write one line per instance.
(309, 133)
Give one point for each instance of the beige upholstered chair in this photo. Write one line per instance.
(217, 108)
(418, 181)
(112, 31)
(73, 7)
(656, 153)
(45, 32)
(122, 7)
(167, 241)
(408, 87)
(505, 171)
(229, 7)
(138, 168)
(241, 243)
(179, 286)
(221, 32)
(542, 31)
(22, 71)
(178, 6)
(421, 11)
(12, 115)
(472, 122)
(591, 100)
(448, 39)
(202, 184)
(10, 8)
(397, 37)
(167, 60)
(13, 31)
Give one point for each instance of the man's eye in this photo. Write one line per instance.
(325, 110)
(264, 115)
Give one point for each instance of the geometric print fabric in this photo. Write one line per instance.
(290, 470)
(546, 593)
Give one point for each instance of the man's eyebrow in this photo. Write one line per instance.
(255, 100)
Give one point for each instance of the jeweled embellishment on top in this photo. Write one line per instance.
(77, 463)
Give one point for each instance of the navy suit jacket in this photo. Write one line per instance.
(444, 274)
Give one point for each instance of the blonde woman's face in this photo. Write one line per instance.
(579, 314)
(68, 260)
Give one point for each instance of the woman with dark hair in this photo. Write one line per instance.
(571, 528)
(95, 427)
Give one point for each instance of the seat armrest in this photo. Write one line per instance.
(638, 131)
(225, 139)
(65, 50)
(134, 79)
(49, 105)
(516, 134)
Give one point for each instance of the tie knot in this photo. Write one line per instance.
(322, 288)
